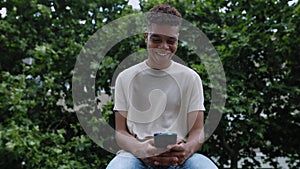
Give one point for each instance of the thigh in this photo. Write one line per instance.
(125, 160)
(198, 161)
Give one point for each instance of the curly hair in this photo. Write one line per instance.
(164, 14)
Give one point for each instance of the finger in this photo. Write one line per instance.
(147, 161)
(179, 141)
(151, 161)
(176, 147)
(151, 141)
(166, 161)
(180, 156)
(154, 151)
(159, 151)
(181, 161)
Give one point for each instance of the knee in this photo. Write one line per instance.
(197, 161)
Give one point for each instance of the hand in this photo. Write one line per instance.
(161, 161)
(181, 151)
(153, 156)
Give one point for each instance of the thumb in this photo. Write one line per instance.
(176, 147)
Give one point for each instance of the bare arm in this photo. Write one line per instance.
(195, 138)
(129, 143)
(196, 130)
(124, 139)
(143, 150)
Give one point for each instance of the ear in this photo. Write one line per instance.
(146, 37)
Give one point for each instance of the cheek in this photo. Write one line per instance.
(173, 48)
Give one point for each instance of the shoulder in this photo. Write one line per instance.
(184, 71)
(132, 70)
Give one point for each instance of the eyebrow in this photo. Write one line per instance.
(159, 35)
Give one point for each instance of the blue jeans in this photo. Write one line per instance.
(127, 160)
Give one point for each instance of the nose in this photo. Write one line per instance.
(164, 45)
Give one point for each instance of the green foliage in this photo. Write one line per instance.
(257, 41)
(40, 41)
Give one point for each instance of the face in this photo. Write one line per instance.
(162, 42)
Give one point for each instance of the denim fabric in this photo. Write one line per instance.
(126, 160)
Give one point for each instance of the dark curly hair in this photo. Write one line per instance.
(164, 14)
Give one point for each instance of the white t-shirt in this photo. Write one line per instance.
(158, 100)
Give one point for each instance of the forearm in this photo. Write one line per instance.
(129, 143)
(196, 131)
(195, 140)
(125, 140)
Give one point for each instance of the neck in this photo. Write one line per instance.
(158, 66)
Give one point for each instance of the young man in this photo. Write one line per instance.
(159, 95)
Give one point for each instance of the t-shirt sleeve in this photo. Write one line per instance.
(197, 96)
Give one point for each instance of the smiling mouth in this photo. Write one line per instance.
(163, 53)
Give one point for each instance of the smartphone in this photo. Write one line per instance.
(162, 140)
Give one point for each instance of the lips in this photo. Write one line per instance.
(162, 54)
